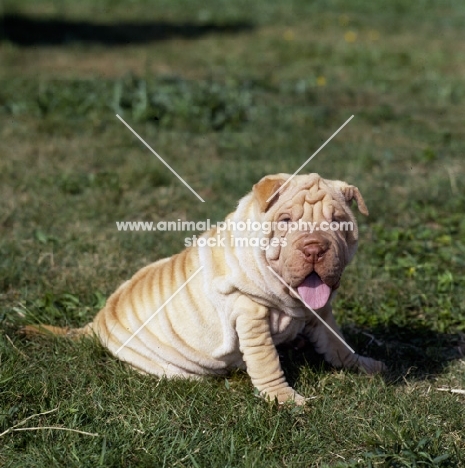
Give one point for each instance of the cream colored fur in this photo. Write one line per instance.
(234, 312)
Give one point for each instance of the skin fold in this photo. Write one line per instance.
(235, 311)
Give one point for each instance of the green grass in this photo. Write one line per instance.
(224, 109)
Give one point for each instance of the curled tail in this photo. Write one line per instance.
(48, 330)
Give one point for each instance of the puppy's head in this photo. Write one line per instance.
(318, 233)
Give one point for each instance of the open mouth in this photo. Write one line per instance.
(314, 292)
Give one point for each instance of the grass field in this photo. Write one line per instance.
(227, 92)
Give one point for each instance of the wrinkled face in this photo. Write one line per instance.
(318, 232)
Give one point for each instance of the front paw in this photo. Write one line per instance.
(284, 395)
(369, 365)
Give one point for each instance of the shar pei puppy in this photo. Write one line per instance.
(247, 285)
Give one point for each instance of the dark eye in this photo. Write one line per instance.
(285, 219)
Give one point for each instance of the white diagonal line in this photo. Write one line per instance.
(156, 312)
(314, 313)
(312, 156)
(162, 160)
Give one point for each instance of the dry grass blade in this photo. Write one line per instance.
(16, 427)
(55, 428)
(12, 428)
(452, 390)
(12, 344)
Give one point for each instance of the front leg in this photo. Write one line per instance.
(259, 352)
(332, 349)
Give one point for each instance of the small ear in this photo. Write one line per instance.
(267, 187)
(350, 193)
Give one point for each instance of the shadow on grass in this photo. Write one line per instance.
(415, 353)
(410, 353)
(29, 31)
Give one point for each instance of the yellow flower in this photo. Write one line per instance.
(289, 35)
(321, 81)
(350, 36)
(411, 272)
(373, 35)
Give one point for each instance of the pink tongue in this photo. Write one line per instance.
(314, 292)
